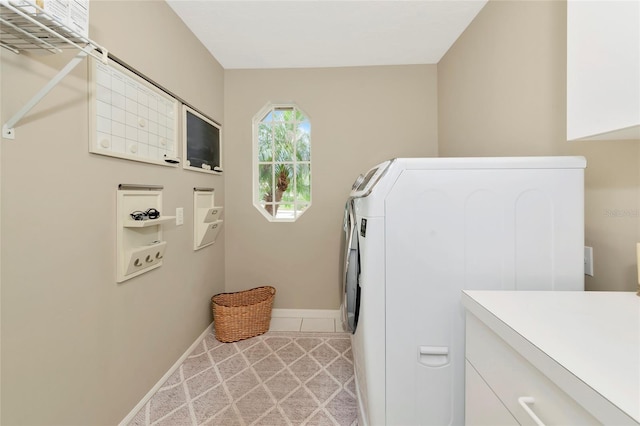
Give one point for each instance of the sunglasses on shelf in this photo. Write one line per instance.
(149, 214)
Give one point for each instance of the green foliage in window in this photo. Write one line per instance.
(284, 162)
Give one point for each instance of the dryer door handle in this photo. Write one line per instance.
(433, 356)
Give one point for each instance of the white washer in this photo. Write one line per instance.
(420, 230)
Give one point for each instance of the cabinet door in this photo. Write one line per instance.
(482, 406)
(603, 70)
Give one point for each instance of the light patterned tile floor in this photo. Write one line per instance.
(279, 378)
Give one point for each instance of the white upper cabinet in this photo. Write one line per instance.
(603, 69)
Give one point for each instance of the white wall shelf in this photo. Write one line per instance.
(26, 27)
(140, 247)
(130, 223)
(206, 218)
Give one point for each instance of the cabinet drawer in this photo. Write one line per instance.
(512, 377)
(482, 406)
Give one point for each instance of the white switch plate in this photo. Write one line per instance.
(179, 216)
(588, 261)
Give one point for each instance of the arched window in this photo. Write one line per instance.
(282, 162)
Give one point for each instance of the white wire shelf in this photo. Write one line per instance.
(26, 27)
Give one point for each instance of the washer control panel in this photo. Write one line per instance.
(364, 183)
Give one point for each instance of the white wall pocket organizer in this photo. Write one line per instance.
(206, 218)
(140, 247)
(208, 228)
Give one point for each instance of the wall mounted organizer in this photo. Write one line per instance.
(131, 118)
(140, 247)
(206, 218)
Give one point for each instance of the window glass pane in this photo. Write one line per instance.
(303, 182)
(285, 211)
(303, 138)
(289, 114)
(284, 187)
(268, 117)
(300, 208)
(265, 143)
(300, 116)
(265, 192)
(281, 114)
(284, 142)
(268, 208)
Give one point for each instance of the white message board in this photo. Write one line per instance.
(129, 117)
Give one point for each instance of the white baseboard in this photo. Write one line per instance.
(305, 313)
(164, 378)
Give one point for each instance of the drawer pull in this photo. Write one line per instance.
(524, 402)
(433, 356)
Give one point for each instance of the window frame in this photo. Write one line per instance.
(300, 206)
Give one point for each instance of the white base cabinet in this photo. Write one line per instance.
(524, 394)
(552, 358)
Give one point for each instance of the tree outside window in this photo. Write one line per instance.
(282, 162)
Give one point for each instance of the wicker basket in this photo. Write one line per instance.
(243, 314)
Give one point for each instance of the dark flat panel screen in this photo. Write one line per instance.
(202, 141)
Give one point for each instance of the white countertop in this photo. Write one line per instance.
(595, 336)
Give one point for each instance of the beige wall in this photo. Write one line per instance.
(502, 91)
(359, 117)
(77, 348)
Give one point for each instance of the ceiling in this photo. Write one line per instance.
(244, 34)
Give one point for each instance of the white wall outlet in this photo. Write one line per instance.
(179, 216)
(588, 261)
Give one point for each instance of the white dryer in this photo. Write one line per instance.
(417, 232)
